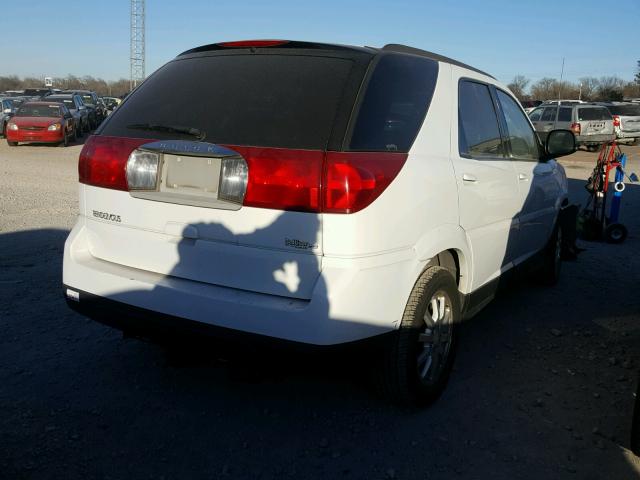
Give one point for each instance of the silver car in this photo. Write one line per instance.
(626, 119)
(591, 124)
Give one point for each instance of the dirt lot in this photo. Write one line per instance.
(542, 386)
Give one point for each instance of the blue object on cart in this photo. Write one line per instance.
(617, 196)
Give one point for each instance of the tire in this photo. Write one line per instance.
(410, 373)
(12, 144)
(65, 142)
(615, 233)
(549, 273)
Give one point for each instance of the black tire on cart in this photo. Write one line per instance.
(615, 233)
(417, 360)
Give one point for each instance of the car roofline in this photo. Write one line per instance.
(390, 48)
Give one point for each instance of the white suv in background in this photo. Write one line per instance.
(318, 194)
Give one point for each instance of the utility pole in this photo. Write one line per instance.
(137, 43)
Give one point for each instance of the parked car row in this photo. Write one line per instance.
(44, 115)
(592, 123)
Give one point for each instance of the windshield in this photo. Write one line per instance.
(88, 99)
(593, 114)
(625, 110)
(39, 111)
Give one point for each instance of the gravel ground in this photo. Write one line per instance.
(542, 386)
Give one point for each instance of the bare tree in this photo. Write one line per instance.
(518, 86)
(610, 88)
(589, 88)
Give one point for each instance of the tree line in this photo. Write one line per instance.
(113, 88)
(590, 89)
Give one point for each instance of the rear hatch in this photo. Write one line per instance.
(629, 116)
(594, 120)
(279, 110)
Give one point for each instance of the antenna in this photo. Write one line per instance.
(560, 84)
(137, 44)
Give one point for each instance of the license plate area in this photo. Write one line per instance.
(596, 125)
(191, 176)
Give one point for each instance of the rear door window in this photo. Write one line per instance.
(549, 114)
(268, 100)
(478, 131)
(395, 103)
(594, 113)
(522, 138)
(564, 115)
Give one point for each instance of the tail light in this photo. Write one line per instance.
(616, 120)
(103, 161)
(354, 180)
(575, 128)
(282, 179)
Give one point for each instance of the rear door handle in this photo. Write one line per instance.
(466, 177)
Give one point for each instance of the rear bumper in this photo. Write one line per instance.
(591, 139)
(628, 134)
(353, 300)
(35, 136)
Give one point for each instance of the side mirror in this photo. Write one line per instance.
(558, 144)
(82, 107)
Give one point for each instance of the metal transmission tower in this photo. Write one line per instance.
(137, 43)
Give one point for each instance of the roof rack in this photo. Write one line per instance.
(394, 47)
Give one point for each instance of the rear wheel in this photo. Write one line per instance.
(417, 360)
(12, 144)
(552, 258)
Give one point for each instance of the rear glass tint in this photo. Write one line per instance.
(269, 100)
(593, 113)
(395, 103)
(625, 110)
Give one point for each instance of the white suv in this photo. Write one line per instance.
(317, 194)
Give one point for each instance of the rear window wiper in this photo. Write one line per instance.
(154, 127)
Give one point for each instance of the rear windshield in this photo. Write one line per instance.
(67, 101)
(395, 103)
(88, 99)
(593, 113)
(39, 111)
(625, 110)
(269, 100)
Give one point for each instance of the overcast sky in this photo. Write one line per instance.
(502, 37)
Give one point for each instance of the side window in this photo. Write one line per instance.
(536, 114)
(549, 114)
(564, 115)
(478, 132)
(394, 104)
(521, 136)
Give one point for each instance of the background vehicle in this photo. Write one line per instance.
(90, 100)
(74, 103)
(41, 122)
(349, 215)
(626, 119)
(111, 102)
(6, 112)
(592, 124)
(529, 105)
(563, 102)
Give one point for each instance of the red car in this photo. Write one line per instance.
(41, 122)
